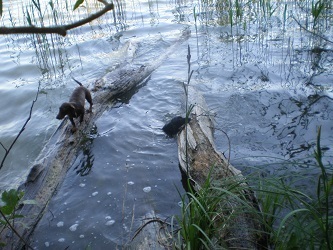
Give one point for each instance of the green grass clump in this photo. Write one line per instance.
(291, 218)
(294, 219)
(208, 215)
(198, 218)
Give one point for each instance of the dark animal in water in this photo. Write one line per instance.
(75, 107)
(175, 125)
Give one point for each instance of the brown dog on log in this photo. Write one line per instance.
(75, 107)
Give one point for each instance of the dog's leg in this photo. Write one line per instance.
(81, 117)
(89, 99)
(73, 123)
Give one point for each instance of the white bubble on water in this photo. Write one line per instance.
(94, 193)
(110, 222)
(82, 184)
(130, 183)
(125, 227)
(109, 193)
(60, 224)
(47, 244)
(108, 217)
(73, 227)
(146, 189)
(61, 240)
(81, 236)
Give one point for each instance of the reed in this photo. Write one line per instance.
(207, 214)
(294, 218)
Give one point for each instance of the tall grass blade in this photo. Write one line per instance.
(77, 4)
(283, 222)
(37, 5)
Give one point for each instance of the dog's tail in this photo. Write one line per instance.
(77, 81)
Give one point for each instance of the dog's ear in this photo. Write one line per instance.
(73, 109)
(72, 106)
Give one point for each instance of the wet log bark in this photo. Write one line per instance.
(151, 235)
(59, 153)
(200, 159)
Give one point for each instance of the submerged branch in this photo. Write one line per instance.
(61, 30)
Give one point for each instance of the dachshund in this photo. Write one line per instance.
(75, 107)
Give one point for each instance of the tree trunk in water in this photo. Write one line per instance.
(199, 160)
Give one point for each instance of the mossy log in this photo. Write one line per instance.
(50, 167)
(199, 159)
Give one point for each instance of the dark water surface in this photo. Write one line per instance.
(267, 87)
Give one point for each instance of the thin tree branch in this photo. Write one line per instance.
(21, 131)
(61, 30)
(14, 230)
(311, 32)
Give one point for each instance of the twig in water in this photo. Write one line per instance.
(7, 151)
(150, 220)
(14, 230)
(229, 144)
(311, 32)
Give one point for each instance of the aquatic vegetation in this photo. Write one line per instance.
(199, 220)
(9, 203)
(292, 218)
(242, 16)
(188, 108)
(41, 19)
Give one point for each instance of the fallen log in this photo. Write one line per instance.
(199, 159)
(50, 167)
(152, 234)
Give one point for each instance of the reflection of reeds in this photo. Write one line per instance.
(240, 13)
(50, 50)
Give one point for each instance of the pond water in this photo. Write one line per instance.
(267, 81)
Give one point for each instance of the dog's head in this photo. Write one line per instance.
(67, 109)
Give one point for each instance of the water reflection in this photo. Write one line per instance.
(86, 157)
